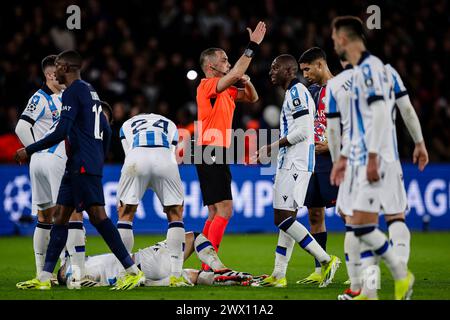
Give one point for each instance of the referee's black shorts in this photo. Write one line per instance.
(215, 181)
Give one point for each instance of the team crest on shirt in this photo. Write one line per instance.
(296, 102)
(55, 115)
(33, 104)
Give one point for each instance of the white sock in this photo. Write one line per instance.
(352, 250)
(283, 254)
(370, 276)
(125, 229)
(175, 243)
(206, 253)
(371, 281)
(44, 276)
(379, 242)
(401, 237)
(301, 235)
(76, 246)
(64, 255)
(41, 238)
(132, 270)
(205, 278)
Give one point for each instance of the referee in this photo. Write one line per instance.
(216, 97)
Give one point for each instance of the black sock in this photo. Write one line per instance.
(58, 239)
(321, 238)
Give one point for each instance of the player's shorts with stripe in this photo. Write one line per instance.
(81, 191)
(46, 172)
(388, 194)
(150, 168)
(215, 178)
(289, 189)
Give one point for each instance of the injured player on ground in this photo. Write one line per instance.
(154, 261)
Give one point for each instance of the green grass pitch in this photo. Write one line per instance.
(254, 253)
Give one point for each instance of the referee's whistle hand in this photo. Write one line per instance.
(257, 35)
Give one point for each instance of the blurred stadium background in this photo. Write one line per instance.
(138, 54)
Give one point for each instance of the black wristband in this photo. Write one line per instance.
(251, 49)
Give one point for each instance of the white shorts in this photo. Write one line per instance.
(344, 201)
(388, 194)
(153, 168)
(46, 172)
(290, 188)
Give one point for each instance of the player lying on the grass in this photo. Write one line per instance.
(295, 166)
(154, 261)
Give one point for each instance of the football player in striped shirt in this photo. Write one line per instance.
(39, 119)
(358, 258)
(295, 166)
(376, 177)
(149, 142)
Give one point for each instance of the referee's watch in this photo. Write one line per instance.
(250, 51)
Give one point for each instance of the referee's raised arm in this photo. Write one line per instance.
(238, 71)
(216, 97)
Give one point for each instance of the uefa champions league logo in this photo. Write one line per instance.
(17, 198)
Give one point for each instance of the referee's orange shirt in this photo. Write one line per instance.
(215, 113)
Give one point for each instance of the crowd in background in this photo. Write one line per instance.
(137, 54)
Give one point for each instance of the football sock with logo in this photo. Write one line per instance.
(125, 229)
(301, 235)
(400, 237)
(206, 253)
(205, 233)
(283, 253)
(41, 238)
(176, 239)
(374, 238)
(76, 248)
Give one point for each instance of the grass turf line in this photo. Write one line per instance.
(252, 253)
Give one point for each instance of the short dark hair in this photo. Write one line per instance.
(72, 57)
(288, 61)
(206, 54)
(312, 54)
(62, 280)
(106, 107)
(353, 27)
(48, 61)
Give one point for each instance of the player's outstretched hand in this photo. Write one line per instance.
(21, 155)
(372, 168)
(258, 34)
(338, 171)
(420, 155)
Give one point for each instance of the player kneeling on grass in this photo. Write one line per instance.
(295, 166)
(155, 262)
